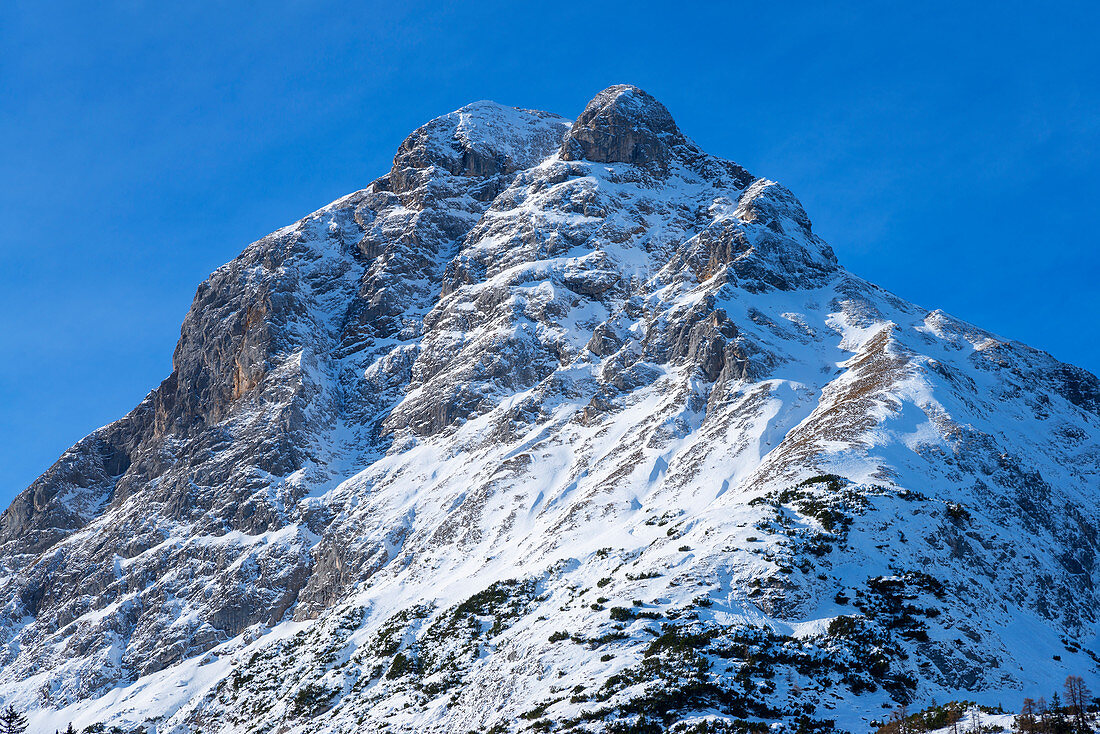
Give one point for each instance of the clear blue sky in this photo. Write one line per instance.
(947, 150)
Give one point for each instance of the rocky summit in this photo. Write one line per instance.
(560, 426)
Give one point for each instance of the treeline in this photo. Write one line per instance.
(949, 715)
(1075, 715)
(13, 721)
(1076, 711)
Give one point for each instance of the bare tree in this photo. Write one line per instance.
(1042, 712)
(898, 718)
(954, 716)
(1077, 698)
(1026, 721)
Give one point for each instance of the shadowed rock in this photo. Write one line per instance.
(530, 338)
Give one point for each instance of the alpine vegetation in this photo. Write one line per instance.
(563, 426)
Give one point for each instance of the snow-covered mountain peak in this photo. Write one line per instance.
(623, 124)
(481, 139)
(559, 427)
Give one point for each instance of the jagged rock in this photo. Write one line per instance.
(483, 140)
(552, 407)
(622, 124)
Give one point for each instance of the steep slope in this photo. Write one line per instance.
(560, 426)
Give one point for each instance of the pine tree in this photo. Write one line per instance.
(70, 730)
(1057, 715)
(12, 722)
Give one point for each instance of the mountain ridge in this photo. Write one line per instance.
(586, 346)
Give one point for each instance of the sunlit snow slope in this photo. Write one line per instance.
(560, 426)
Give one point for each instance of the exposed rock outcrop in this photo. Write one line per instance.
(551, 407)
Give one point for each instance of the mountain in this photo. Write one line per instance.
(560, 426)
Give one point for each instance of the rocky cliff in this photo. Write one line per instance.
(559, 426)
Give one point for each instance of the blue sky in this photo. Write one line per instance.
(947, 151)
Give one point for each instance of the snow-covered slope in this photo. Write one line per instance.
(560, 426)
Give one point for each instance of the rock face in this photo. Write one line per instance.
(623, 124)
(559, 424)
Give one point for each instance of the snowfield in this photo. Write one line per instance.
(561, 427)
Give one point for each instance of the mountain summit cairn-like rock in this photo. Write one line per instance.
(622, 124)
(559, 426)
